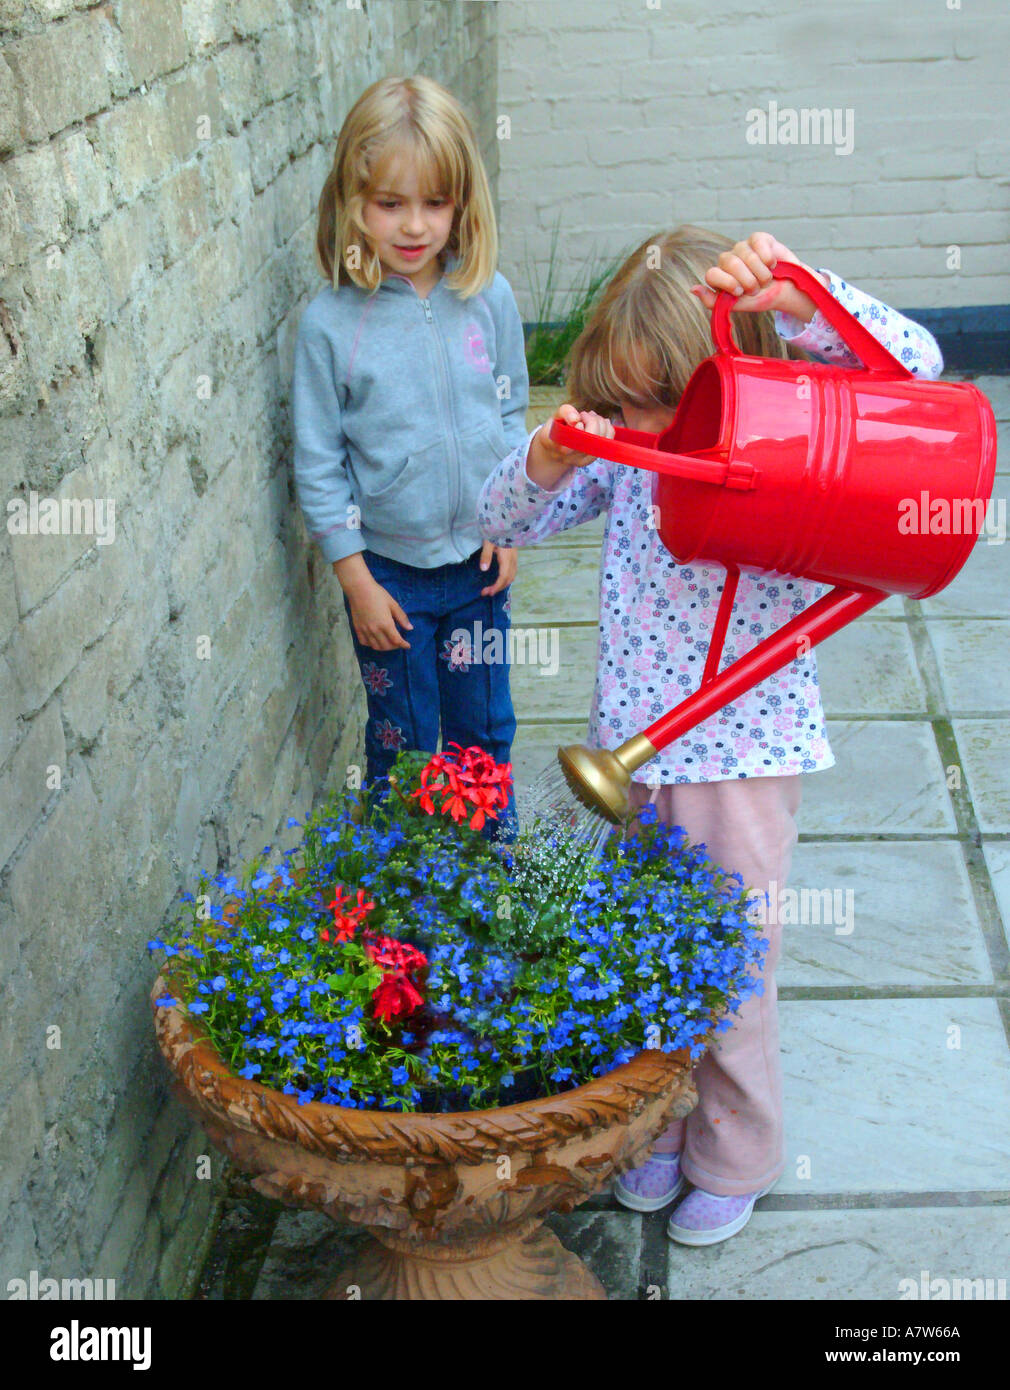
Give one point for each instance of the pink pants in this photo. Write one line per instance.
(732, 1142)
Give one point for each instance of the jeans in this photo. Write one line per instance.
(460, 683)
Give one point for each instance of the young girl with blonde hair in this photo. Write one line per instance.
(410, 386)
(733, 782)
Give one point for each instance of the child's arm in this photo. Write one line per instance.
(541, 489)
(324, 490)
(320, 463)
(913, 346)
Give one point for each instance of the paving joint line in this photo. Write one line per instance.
(995, 990)
(969, 834)
(890, 837)
(875, 1201)
(818, 1201)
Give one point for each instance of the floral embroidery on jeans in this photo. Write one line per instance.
(457, 654)
(390, 735)
(377, 678)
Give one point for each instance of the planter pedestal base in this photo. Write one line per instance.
(526, 1262)
(454, 1202)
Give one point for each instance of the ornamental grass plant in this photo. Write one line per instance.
(401, 956)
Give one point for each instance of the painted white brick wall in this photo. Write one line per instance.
(630, 116)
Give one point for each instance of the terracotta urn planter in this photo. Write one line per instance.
(454, 1202)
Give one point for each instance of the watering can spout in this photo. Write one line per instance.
(600, 777)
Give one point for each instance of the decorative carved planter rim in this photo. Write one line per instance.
(390, 1136)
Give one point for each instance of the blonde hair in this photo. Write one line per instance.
(415, 117)
(647, 333)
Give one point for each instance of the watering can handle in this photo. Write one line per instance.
(628, 446)
(873, 355)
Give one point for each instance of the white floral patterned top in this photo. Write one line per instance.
(656, 615)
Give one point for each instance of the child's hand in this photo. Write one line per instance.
(375, 613)
(745, 271)
(550, 460)
(508, 563)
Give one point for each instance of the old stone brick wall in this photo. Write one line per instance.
(168, 699)
(631, 115)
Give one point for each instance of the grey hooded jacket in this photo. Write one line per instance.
(402, 408)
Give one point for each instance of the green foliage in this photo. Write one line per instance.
(547, 348)
(547, 869)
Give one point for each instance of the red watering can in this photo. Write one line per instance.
(866, 479)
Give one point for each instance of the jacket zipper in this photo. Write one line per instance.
(450, 433)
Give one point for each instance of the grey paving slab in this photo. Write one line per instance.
(981, 590)
(877, 1254)
(881, 914)
(997, 514)
(557, 583)
(887, 779)
(997, 388)
(879, 1099)
(306, 1254)
(559, 683)
(983, 745)
(893, 608)
(973, 657)
(997, 859)
(870, 668)
(608, 1242)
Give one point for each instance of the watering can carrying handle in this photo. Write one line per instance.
(628, 447)
(874, 356)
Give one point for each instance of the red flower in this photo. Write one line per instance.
(391, 954)
(346, 924)
(397, 995)
(470, 781)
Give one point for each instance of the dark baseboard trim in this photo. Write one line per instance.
(973, 339)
